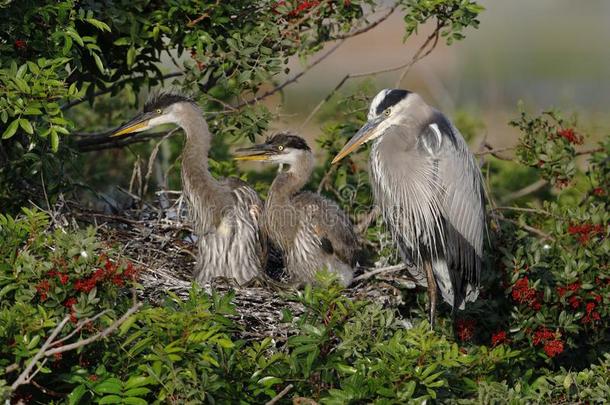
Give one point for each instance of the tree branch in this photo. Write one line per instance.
(293, 79)
(532, 188)
(97, 336)
(370, 26)
(44, 351)
(417, 57)
(279, 396)
(25, 374)
(381, 270)
(526, 227)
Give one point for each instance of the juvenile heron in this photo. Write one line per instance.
(225, 212)
(430, 191)
(311, 231)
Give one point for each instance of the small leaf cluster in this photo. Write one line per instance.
(452, 17)
(548, 143)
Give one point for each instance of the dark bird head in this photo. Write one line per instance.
(282, 148)
(389, 107)
(163, 108)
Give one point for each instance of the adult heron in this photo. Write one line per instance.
(430, 191)
(225, 212)
(311, 231)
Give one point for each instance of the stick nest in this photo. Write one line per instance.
(159, 239)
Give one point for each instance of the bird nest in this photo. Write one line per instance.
(158, 237)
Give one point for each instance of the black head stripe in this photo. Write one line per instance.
(288, 140)
(391, 98)
(163, 100)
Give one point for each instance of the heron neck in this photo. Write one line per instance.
(289, 182)
(198, 139)
(205, 193)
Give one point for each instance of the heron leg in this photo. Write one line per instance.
(431, 293)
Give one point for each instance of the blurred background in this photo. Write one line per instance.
(548, 53)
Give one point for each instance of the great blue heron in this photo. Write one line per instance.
(430, 191)
(225, 212)
(311, 231)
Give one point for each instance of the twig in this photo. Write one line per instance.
(366, 221)
(532, 188)
(589, 151)
(79, 327)
(25, 375)
(47, 391)
(370, 26)
(279, 396)
(291, 80)
(153, 157)
(326, 177)
(489, 150)
(388, 269)
(419, 55)
(97, 336)
(350, 76)
(522, 209)
(528, 228)
(341, 39)
(44, 351)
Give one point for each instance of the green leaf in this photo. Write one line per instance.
(67, 44)
(109, 386)
(27, 127)
(134, 401)
(98, 62)
(11, 129)
(137, 381)
(54, 140)
(102, 26)
(131, 56)
(110, 399)
(76, 394)
(8, 288)
(136, 392)
(74, 35)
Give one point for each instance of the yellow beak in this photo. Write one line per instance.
(364, 134)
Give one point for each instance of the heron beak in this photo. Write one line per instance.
(366, 133)
(258, 153)
(137, 124)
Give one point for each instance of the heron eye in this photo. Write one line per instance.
(280, 148)
(387, 112)
(159, 111)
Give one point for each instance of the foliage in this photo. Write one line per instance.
(185, 351)
(538, 333)
(56, 54)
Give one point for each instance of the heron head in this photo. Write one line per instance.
(282, 148)
(388, 108)
(164, 108)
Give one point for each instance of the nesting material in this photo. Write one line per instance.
(158, 238)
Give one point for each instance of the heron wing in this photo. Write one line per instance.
(330, 224)
(462, 200)
(249, 201)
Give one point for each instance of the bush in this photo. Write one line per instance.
(538, 333)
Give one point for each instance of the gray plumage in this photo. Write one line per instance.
(225, 213)
(430, 191)
(311, 231)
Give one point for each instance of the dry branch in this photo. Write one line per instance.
(26, 376)
(279, 396)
